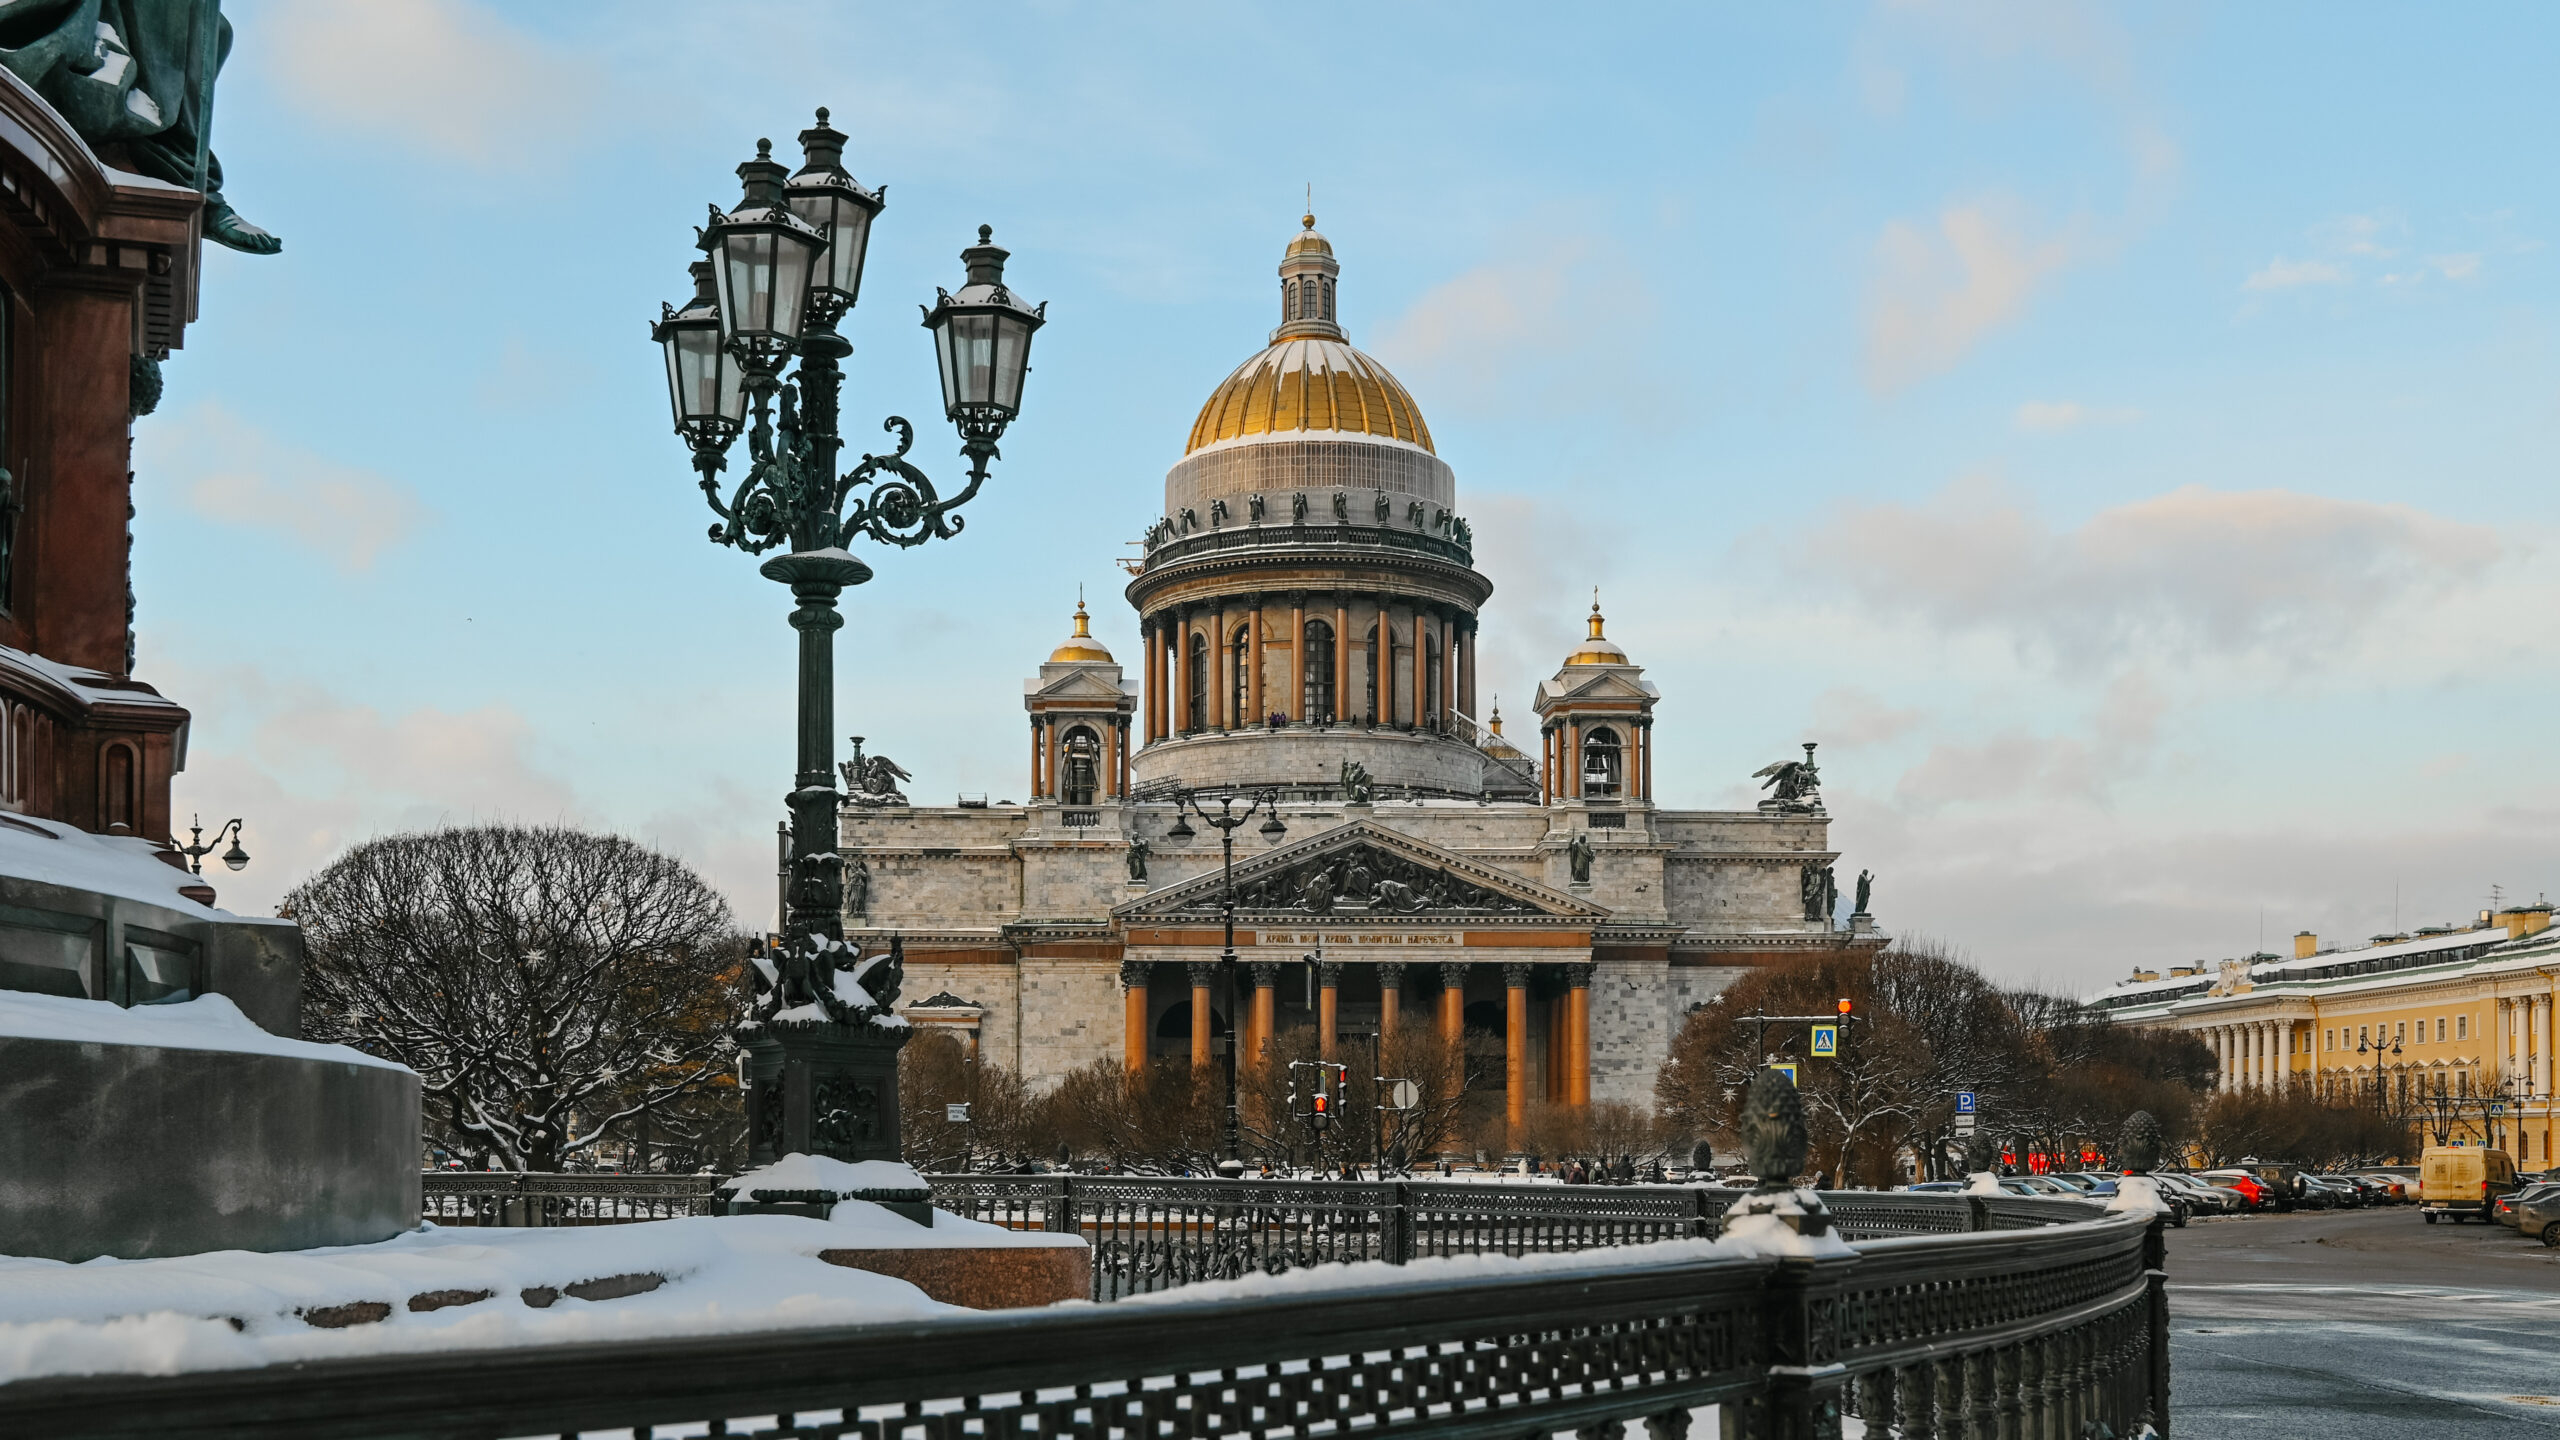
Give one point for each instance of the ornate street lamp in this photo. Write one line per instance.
(781, 270)
(2375, 1048)
(197, 847)
(1228, 821)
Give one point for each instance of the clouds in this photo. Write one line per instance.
(2051, 416)
(2268, 573)
(1939, 288)
(446, 78)
(2283, 274)
(2379, 247)
(230, 472)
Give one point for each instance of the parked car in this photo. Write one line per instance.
(2251, 1188)
(2323, 1192)
(2205, 1197)
(2539, 1216)
(2504, 1210)
(2463, 1181)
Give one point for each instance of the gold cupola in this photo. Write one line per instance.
(1309, 378)
(1597, 648)
(1081, 647)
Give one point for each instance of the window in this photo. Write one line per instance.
(1239, 674)
(1084, 764)
(158, 969)
(1600, 758)
(1315, 698)
(2461, 1027)
(2439, 1029)
(2328, 1039)
(2363, 1034)
(2400, 1032)
(46, 952)
(1375, 662)
(1433, 683)
(1197, 702)
(119, 789)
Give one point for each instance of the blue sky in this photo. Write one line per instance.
(2123, 436)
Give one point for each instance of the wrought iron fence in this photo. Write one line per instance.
(473, 1197)
(2049, 1333)
(1151, 1233)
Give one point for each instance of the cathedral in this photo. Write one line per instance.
(1307, 601)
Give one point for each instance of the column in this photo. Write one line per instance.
(1467, 638)
(1253, 620)
(1515, 1045)
(2542, 1046)
(1578, 1036)
(1328, 990)
(1453, 1003)
(1222, 693)
(1390, 998)
(1266, 975)
(1295, 702)
(1035, 757)
(1448, 672)
(1203, 974)
(1573, 762)
(1180, 699)
(1421, 664)
(2284, 1056)
(1107, 784)
(1133, 1014)
(1050, 751)
(1341, 656)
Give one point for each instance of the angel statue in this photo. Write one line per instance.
(1355, 783)
(873, 780)
(1793, 785)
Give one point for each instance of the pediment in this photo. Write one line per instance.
(1598, 685)
(1079, 685)
(1364, 870)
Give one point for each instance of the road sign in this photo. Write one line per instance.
(955, 1114)
(1964, 1124)
(1786, 1068)
(1826, 1040)
(1404, 1095)
(1964, 1102)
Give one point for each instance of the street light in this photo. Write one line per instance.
(197, 847)
(780, 270)
(2381, 1098)
(1228, 821)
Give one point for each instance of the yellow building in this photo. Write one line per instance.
(2453, 1024)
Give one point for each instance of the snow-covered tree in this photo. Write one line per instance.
(550, 986)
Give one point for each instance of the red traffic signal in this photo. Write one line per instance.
(1844, 1004)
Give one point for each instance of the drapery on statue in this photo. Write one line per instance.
(857, 887)
(1793, 785)
(1577, 854)
(1139, 850)
(1355, 783)
(135, 78)
(1821, 892)
(1866, 889)
(873, 780)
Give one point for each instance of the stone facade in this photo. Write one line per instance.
(1308, 600)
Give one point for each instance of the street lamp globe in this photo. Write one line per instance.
(762, 257)
(982, 336)
(235, 857)
(825, 195)
(704, 384)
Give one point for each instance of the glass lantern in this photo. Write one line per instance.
(982, 338)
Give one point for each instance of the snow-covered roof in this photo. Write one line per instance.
(2398, 949)
(2163, 986)
(125, 866)
(84, 686)
(208, 1022)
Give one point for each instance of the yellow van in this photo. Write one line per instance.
(2462, 1181)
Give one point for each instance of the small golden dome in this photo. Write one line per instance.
(1597, 649)
(1494, 743)
(1081, 647)
(1307, 241)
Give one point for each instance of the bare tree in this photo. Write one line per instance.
(550, 987)
(1007, 1123)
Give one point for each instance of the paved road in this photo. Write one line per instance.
(2362, 1323)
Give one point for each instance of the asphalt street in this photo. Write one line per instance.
(2361, 1323)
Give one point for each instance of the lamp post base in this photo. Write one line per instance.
(819, 1088)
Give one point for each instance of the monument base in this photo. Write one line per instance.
(1009, 1277)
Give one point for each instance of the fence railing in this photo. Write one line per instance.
(477, 1197)
(2048, 1332)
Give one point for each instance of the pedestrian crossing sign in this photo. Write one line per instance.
(1786, 1068)
(1826, 1040)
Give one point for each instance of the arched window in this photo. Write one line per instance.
(1428, 703)
(1239, 677)
(1083, 765)
(119, 790)
(1315, 696)
(1197, 702)
(1600, 761)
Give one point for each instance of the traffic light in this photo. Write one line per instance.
(1322, 1116)
(1844, 1005)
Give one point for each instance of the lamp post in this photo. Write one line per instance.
(2381, 1097)
(197, 847)
(781, 270)
(1228, 821)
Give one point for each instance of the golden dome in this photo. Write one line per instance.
(1081, 647)
(1310, 384)
(1310, 379)
(1494, 743)
(1597, 649)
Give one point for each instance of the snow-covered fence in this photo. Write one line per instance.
(1156, 1233)
(2055, 1331)
(476, 1197)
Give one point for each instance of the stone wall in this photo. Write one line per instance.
(1078, 1017)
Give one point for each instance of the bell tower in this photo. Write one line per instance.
(1596, 722)
(1080, 716)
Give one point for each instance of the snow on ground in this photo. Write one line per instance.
(799, 1172)
(208, 1022)
(234, 1308)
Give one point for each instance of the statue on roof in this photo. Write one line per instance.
(135, 79)
(873, 780)
(1794, 786)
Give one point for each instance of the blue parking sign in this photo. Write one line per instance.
(1964, 1102)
